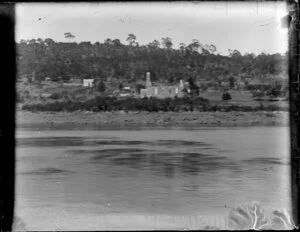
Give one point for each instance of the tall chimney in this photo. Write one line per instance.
(33, 76)
(181, 86)
(148, 80)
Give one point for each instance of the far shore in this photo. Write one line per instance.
(145, 119)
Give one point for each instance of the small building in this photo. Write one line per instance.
(88, 82)
(45, 95)
(47, 79)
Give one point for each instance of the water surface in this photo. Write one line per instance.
(79, 179)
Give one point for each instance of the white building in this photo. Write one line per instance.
(88, 82)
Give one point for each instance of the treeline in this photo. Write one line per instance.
(130, 62)
(108, 104)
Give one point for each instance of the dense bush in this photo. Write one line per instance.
(226, 96)
(99, 104)
(258, 94)
(56, 96)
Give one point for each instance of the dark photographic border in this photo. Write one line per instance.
(292, 21)
(7, 115)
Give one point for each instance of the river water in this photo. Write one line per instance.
(147, 178)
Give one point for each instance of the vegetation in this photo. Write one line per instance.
(151, 105)
(101, 87)
(129, 63)
(114, 65)
(226, 96)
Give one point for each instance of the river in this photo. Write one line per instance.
(147, 178)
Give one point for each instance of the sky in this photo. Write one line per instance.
(246, 26)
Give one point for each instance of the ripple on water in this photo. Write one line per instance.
(47, 171)
(264, 160)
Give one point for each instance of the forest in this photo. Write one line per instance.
(129, 62)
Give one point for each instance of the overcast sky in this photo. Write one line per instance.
(247, 27)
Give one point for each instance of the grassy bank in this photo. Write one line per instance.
(120, 118)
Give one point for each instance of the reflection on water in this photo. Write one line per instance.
(81, 141)
(161, 163)
(163, 171)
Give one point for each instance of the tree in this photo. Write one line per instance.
(231, 82)
(155, 44)
(69, 36)
(193, 87)
(274, 92)
(205, 49)
(182, 48)
(226, 96)
(101, 87)
(167, 42)
(116, 42)
(23, 41)
(234, 53)
(194, 45)
(32, 41)
(131, 39)
(212, 48)
(108, 41)
(250, 56)
(49, 42)
(40, 41)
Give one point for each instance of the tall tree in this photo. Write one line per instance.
(167, 42)
(154, 44)
(101, 87)
(182, 49)
(108, 41)
(234, 53)
(194, 45)
(231, 80)
(116, 42)
(131, 39)
(212, 49)
(193, 87)
(69, 36)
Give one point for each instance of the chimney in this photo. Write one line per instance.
(181, 86)
(148, 80)
(33, 76)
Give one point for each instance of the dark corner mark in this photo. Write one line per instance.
(7, 115)
(286, 21)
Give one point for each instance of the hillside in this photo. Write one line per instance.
(115, 61)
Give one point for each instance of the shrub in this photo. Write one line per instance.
(129, 104)
(258, 94)
(226, 96)
(55, 96)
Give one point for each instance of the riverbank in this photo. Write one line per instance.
(83, 118)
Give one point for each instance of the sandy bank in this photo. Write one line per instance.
(261, 118)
